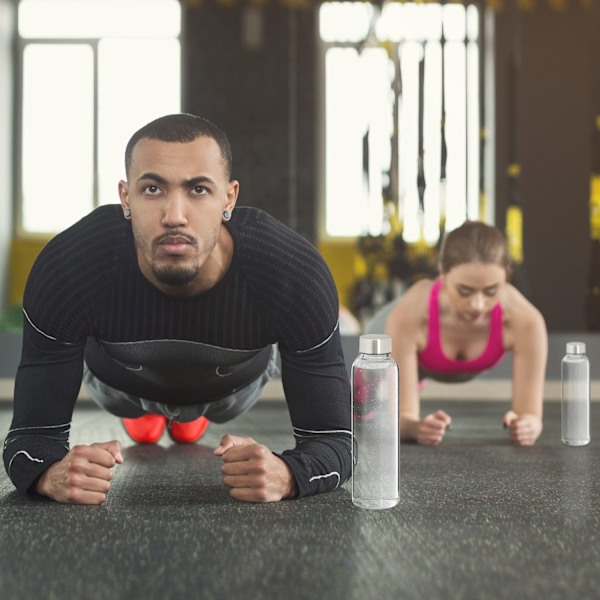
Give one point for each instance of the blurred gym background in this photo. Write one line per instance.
(370, 128)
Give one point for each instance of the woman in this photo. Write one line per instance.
(461, 324)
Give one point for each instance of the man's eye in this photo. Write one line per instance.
(151, 190)
(200, 189)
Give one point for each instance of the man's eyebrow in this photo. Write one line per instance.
(152, 177)
(188, 182)
(200, 179)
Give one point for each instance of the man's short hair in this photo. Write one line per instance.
(181, 128)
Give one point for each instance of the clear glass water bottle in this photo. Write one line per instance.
(575, 396)
(375, 425)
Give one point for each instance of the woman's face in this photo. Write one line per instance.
(473, 288)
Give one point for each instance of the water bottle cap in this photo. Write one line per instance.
(375, 344)
(576, 348)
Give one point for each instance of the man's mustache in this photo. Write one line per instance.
(175, 234)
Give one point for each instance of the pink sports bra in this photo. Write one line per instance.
(433, 359)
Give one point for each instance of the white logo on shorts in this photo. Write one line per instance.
(221, 374)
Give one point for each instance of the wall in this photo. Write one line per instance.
(251, 70)
(6, 204)
(554, 119)
(259, 83)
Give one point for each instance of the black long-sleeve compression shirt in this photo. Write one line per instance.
(86, 288)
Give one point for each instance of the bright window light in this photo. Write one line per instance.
(410, 56)
(82, 19)
(58, 136)
(127, 70)
(345, 21)
(357, 115)
(455, 23)
(472, 23)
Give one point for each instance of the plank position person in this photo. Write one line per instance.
(169, 307)
(461, 324)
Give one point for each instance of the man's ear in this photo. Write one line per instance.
(233, 190)
(124, 194)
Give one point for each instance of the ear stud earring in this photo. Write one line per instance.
(227, 215)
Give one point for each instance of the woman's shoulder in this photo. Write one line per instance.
(407, 323)
(413, 304)
(419, 290)
(516, 304)
(519, 314)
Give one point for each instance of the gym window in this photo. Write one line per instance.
(383, 113)
(91, 73)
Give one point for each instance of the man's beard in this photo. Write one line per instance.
(175, 276)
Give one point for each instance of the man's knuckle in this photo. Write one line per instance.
(74, 495)
(260, 470)
(77, 450)
(77, 466)
(72, 479)
(262, 451)
(80, 452)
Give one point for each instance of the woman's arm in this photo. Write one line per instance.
(530, 353)
(405, 325)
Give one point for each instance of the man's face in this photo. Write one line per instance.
(177, 193)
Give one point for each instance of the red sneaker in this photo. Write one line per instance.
(147, 429)
(188, 433)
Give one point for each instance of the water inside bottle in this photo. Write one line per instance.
(575, 405)
(376, 437)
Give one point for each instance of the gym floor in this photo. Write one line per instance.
(478, 518)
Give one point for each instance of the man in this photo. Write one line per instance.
(169, 307)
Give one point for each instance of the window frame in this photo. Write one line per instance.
(20, 45)
(486, 107)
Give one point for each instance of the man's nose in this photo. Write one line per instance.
(175, 211)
